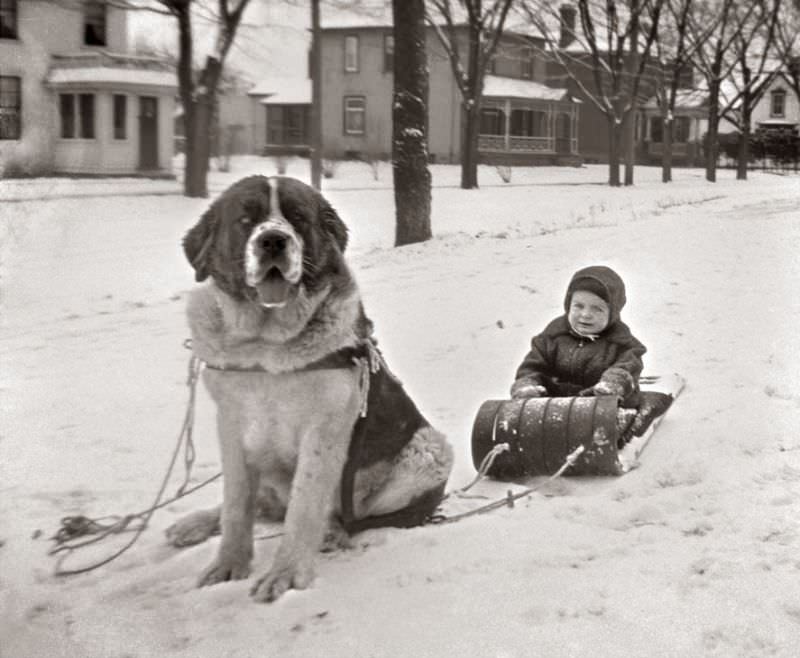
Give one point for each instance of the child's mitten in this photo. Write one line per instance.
(525, 389)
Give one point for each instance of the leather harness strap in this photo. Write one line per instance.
(387, 423)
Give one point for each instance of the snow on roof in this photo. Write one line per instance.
(283, 91)
(378, 14)
(370, 13)
(684, 99)
(111, 75)
(495, 86)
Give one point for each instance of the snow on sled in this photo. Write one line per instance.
(542, 432)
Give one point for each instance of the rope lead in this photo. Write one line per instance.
(74, 527)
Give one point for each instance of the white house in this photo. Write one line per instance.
(73, 100)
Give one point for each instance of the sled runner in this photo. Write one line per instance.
(542, 432)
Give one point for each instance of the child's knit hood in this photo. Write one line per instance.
(603, 282)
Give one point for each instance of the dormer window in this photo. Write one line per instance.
(777, 107)
(351, 53)
(94, 23)
(8, 19)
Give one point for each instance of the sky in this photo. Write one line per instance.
(272, 40)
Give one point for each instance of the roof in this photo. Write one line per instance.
(378, 14)
(110, 75)
(110, 68)
(496, 86)
(283, 91)
(685, 99)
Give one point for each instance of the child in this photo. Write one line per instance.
(588, 350)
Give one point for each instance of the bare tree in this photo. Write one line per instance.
(674, 52)
(484, 27)
(412, 179)
(604, 63)
(727, 54)
(750, 50)
(198, 92)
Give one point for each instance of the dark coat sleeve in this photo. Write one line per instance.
(622, 376)
(534, 368)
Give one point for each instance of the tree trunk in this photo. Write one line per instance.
(472, 112)
(412, 179)
(666, 148)
(316, 98)
(743, 155)
(629, 142)
(186, 90)
(712, 142)
(613, 152)
(469, 145)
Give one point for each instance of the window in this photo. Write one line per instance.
(351, 53)
(526, 63)
(10, 107)
(8, 19)
(355, 111)
(120, 116)
(778, 103)
(680, 130)
(528, 123)
(94, 23)
(77, 116)
(656, 130)
(493, 122)
(388, 53)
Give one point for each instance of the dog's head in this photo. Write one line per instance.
(263, 238)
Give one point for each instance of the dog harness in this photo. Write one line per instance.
(387, 422)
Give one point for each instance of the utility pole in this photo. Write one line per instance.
(316, 97)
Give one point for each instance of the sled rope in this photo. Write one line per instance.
(509, 498)
(73, 527)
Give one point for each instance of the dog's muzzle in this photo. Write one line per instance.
(273, 262)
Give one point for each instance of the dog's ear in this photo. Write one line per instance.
(198, 241)
(332, 223)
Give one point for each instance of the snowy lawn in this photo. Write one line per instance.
(694, 553)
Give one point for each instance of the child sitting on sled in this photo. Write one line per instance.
(588, 350)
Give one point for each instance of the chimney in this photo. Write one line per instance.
(567, 13)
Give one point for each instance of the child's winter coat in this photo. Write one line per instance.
(567, 364)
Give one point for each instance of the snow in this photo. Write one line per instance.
(693, 553)
(109, 74)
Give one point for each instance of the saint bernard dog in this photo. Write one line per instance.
(313, 428)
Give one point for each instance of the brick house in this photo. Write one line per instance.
(72, 100)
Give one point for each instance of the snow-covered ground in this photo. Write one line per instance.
(694, 553)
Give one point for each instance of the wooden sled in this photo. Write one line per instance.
(541, 432)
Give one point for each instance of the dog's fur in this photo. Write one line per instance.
(281, 297)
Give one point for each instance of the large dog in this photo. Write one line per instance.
(313, 428)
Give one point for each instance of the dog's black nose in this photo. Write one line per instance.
(273, 243)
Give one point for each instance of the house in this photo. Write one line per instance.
(571, 65)
(283, 115)
(777, 106)
(73, 100)
(689, 125)
(523, 119)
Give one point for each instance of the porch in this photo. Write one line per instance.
(525, 122)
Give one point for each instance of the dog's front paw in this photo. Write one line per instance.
(194, 528)
(223, 569)
(280, 578)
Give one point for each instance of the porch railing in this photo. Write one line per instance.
(516, 144)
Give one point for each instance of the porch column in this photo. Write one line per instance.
(551, 128)
(574, 133)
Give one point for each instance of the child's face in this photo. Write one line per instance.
(588, 313)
